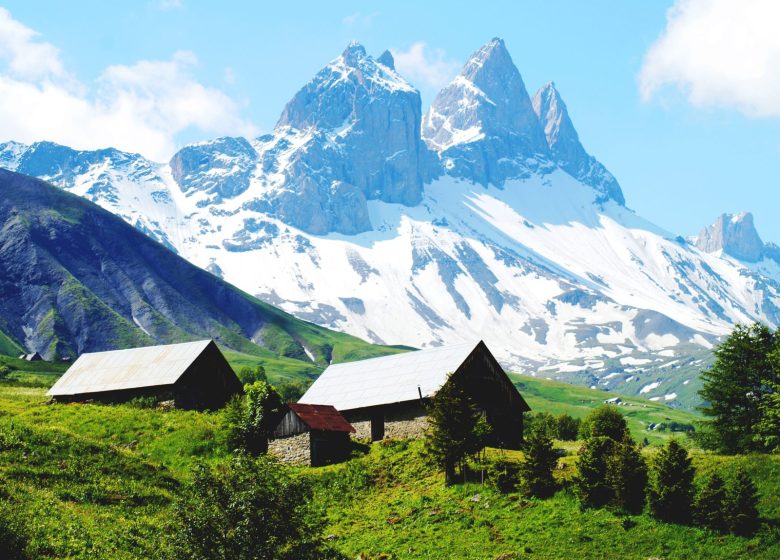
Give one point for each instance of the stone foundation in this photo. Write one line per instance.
(410, 428)
(293, 450)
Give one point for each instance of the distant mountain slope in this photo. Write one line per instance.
(76, 278)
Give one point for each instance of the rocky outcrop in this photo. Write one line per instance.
(483, 125)
(735, 235)
(222, 168)
(565, 147)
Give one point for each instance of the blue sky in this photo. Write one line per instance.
(689, 129)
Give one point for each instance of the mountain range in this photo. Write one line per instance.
(482, 217)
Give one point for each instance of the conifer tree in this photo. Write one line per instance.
(591, 483)
(627, 476)
(457, 429)
(709, 507)
(733, 388)
(671, 487)
(742, 504)
(536, 469)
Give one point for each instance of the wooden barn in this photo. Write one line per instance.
(192, 374)
(34, 357)
(389, 395)
(311, 434)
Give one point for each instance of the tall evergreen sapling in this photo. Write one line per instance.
(671, 487)
(627, 476)
(742, 504)
(710, 505)
(457, 429)
(591, 482)
(536, 469)
(768, 427)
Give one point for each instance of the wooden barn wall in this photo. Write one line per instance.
(208, 383)
(290, 425)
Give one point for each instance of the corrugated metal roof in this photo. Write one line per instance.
(388, 379)
(115, 370)
(321, 417)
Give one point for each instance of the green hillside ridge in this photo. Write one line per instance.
(79, 279)
(99, 481)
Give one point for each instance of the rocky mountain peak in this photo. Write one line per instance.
(483, 125)
(354, 53)
(386, 58)
(735, 235)
(565, 146)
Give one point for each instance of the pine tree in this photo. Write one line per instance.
(536, 469)
(742, 504)
(709, 507)
(457, 429)
(733, 388)
(768, 427)
(591, 483)
(627, 476)
(671, 486)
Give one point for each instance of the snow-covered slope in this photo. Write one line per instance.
(484, 219)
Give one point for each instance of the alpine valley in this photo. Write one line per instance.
(482, 218)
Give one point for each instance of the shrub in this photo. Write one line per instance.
(249, 375)
(536, 469)
(540, 421)
(5, 371)
(247, 509)
(605, 420)
(591, 482)
(291, 391)
(503, 475)
(709, 507)
(627, 476)
(143, 402)
(741, 503)
(251, 419)
(567, 428)
(671, 487)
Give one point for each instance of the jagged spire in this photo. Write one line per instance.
(387, 59)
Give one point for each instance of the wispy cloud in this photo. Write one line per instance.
(359, 18)
(723, 53)
(141, 107)
(425, 66)
(169, 4)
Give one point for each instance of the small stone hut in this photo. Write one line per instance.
(389, 396)
(311, 434)
(34, 357)
(192, 374)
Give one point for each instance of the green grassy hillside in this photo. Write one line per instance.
(97, 481)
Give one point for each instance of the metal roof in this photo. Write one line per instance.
(115, 370)
(321, 417)
(388, 379)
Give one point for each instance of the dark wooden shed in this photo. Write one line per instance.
(319, 430)
(192, 374)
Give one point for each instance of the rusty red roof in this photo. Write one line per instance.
(321, 417)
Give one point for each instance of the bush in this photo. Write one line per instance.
(291, 391)
(540, 421)
(5, 371)
(604, 421)
(591, 482)
(536, 469)
(251, 419)
(249, 375)
(741, 503)
(627, 476)
(143, 402)
(247, 509)
(709, 507)
(503, 475)
(567, 428)
(671, 487)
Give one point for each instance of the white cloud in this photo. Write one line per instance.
(723, 53)
(169, 4)
(143, 107)
(424, 66)
(359, 18)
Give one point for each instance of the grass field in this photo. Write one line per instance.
(98, 481)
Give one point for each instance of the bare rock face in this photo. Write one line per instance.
(565, 147)
(369, 120)
(222, 167)
(735, 235)
(483, 125)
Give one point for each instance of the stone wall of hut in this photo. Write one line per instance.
(292, 450)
